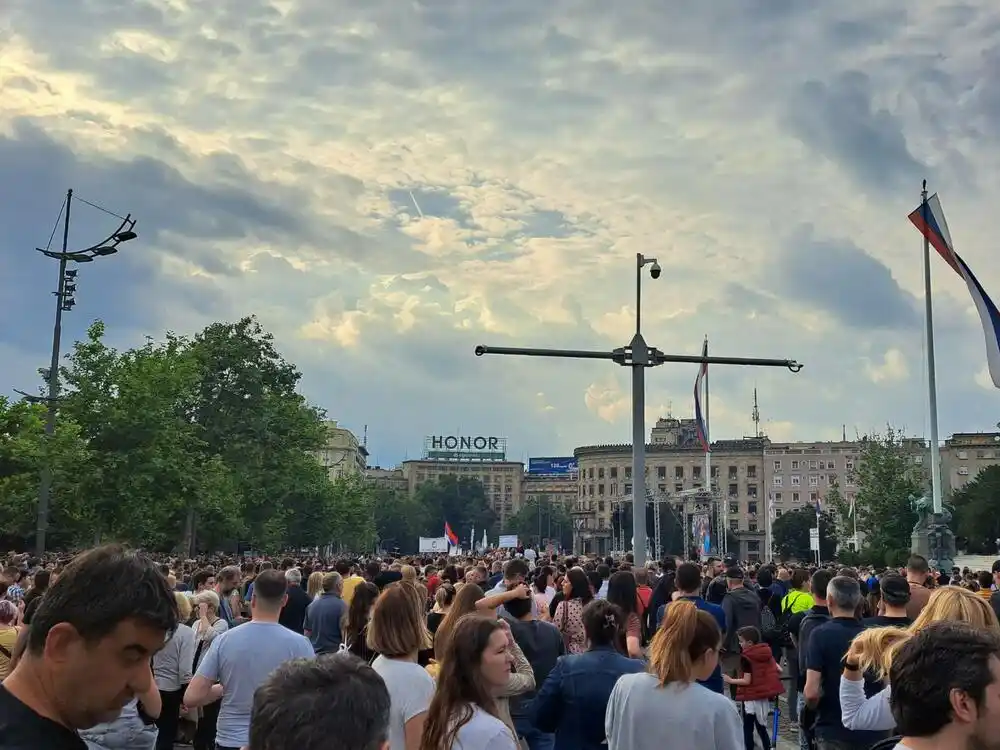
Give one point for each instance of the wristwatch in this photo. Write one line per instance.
(850, 666)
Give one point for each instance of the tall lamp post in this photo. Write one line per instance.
(638, 355)
(65, 301)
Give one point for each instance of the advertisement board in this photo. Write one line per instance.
(465, 448)
(433, 544)
(553, 465)
(508, 541)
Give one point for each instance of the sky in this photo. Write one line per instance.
(766, 152)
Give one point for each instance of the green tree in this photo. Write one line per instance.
(977, 510)
(461, 501)
(541, 519)
(23, 449)
(790, 534)
(400, 520)
(352, 512)
(886, 476)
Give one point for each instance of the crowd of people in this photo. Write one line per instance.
(115, 650)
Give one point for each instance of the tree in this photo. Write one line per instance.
(790, 534)
(977, 513)
(840, 510)
(461, 501)
(541, 519)
(23, 449)
(399, 519)
(886, 476)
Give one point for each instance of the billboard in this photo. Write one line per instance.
(465, 448)
(433, 544)
(550, 465)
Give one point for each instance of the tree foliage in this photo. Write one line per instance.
(462, 502)
(538, 520)
(790, 534)
(977, 511)
(886, 476)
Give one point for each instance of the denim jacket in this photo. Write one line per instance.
(574, 697)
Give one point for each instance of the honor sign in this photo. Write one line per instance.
(465, 448)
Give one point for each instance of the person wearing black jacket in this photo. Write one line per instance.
(662, 593)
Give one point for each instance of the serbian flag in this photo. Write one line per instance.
(452, 536)
(699, 416)
(929, 219)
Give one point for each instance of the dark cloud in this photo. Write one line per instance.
(838, 277)
(840, 122)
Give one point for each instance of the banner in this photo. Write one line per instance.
(507, 541)
(433, 544)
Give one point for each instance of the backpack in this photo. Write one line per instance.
(782, 635)
(769, 629)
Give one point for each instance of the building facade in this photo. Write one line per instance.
(392, 480)
(502, 480)
(964, 455)
(342, 453)
(676, 477)
(548, 489)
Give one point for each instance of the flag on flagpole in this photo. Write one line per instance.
(485, 542)
(699, 417)
(819, 507)
(452, 536)
(850, 507)
(929, 219)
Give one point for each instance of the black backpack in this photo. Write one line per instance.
(781, 634)
(887, 744)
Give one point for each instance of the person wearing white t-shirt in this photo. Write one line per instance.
(397, 632)
(475, 669)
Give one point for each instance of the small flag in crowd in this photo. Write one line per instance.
(452, 536)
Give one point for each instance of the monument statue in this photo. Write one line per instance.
(932, 535)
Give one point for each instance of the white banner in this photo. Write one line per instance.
(507, 541)
(433, 544)
(814, 539)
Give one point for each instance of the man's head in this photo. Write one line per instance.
(688, 578)
(519, 609)
(228, 579)
(270, 592)
(293, 576)
(917, 568)
(946, 686)
(203, 579)
(333, 583)
(515, 571)
(343, 567)
(336, 702)
(895, 592)
(818, 585)
(94, 632)
(714, 566)
(843, 595)
(734, 578)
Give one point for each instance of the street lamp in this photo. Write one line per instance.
(638, 355)
(65, 301)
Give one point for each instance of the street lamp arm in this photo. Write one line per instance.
(124, 233)
(566, 353)
(661, 358)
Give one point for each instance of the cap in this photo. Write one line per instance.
(895, 590)
(730, 562)
(734, 572)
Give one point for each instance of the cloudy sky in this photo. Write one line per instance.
(767, 152)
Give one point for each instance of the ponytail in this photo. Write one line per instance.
(686, 635)
(877, 647)
(604, 624)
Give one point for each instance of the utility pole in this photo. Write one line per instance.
(638, 355)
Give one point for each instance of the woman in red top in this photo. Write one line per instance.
(757, 686)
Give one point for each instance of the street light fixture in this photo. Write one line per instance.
(638, 355)
(65, 302)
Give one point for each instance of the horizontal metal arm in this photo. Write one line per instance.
(567, 353)
(660, 358)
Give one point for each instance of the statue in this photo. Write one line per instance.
(923, 506)
(932, 535)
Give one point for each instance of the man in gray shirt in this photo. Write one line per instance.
(240, 660)
(324, 615)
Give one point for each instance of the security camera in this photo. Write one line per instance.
(480, 350)
(654, 270)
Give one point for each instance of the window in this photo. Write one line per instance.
(777, 497)
(795, 465)
(628, 472)
(963, 455)
(849, 464)
(795, 497)
(614, 489)
(614, 472)
(813, 480)
(753, 545)
(777, 481)
(591, 492)
(600, 473)
(734, 509)
(628, 489)
(777, 512)
(600, 489)
(678, 472)
(715, 472)
(751, 490)
(662, 488)
(590, 474)
(814, 497)
(696, 472)
(678, 487)
(734, 490)
(752, 508)
(752, 472)
(813, 465)
(734, 524)
(777, 465)
(831, 465)
(661, 472)
(796, 480)
(733, 474)
(751, 526)
(600, 506)
(831, 479)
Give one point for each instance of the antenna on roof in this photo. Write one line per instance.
(755, 415)
(364, 441)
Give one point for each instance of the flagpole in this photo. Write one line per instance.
(721, 541)
(931, 374)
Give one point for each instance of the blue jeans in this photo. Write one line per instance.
(536, 740)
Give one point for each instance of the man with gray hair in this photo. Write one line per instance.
(324, 615)
(293, 614)
(825, 651)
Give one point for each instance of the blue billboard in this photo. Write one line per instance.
(552, 465)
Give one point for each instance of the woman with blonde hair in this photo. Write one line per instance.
(665, 708)
(314, 584)
(207, 626)
(873, 650)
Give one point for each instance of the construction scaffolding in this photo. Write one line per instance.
(621, 540)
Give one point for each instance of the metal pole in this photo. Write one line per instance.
(931, 374)
(638, 292)
(639, 464)
(45, 484)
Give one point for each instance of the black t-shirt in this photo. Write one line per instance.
(386, 577)
(882, 621)
(293, 614)
(23, 729)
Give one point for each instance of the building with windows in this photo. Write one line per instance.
(964, 455)
(551, 481)
(502, 480)
(342, 453)
(392, 480)
(675, 470)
